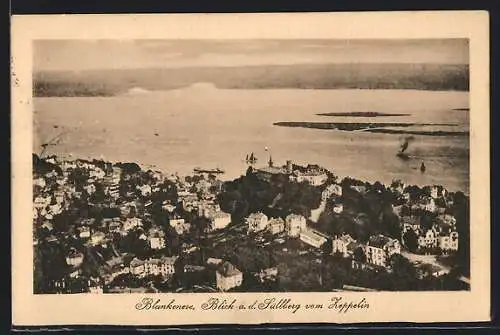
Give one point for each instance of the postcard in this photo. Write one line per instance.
(209, 169)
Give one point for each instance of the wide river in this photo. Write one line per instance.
(177, 130)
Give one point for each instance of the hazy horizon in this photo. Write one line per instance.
(82, 55)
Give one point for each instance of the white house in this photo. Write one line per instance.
(39, 182)
(74, 257)
(180, 225)
(428, 240)
(256, 222)
(220, 220)
(97, 238)
(340, 244)
(84, 231)
(214, 261)
(228, 277)
(145, 190)
(447, 219)
(156, 238)
(313, 177)
(131, 223)
(90, 188)
(379, 248)
(137, 267)
(448, 242)
(163, 266)
(294, 224)
(276, 225)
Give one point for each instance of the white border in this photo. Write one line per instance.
(29, 309)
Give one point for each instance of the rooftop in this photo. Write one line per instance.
(314, 235)
(378, 241)
(227, 269)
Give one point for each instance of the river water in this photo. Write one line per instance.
(177, 130)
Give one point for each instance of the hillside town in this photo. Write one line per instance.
(102, 227)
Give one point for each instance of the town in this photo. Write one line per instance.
(104, 227)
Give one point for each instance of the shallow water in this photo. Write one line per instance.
(181, 129)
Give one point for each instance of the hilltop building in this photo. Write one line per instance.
(228, 277)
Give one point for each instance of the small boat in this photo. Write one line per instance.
(422, 167)
(216, 170)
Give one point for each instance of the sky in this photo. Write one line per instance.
(79, 55)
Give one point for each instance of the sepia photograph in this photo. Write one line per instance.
(254, 165)
(224, 167)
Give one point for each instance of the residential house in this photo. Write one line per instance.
(84, 231)
(137, 267)
(397, 187)
(340, 244)
(294, 224)
(131, 223)
(214, 261)
(379, 248)
(331, 190)
(315, 176)
(156, 238)
(313, 237)
(55, 209)
(126, 208)
(447, 219)
(145, 190)
(47, 225)
(428, 240)
(228, 277)
(220, 220)
(97, 238)
(115, 226)
(208, 208)
(75, 272)
(269, 274)
(41, 202)
(180, 226)
(411, 223)
(95, 288)
(74, 257)
(276, 226)
(256, 222)
(167, 206)
(338, 208)
(448, 242)
(114, 268)
(90, 188)
(39, 182)
(425, 270)
(164, 266)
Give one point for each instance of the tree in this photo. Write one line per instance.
(410, 240)
(359, 255)
(401, 266)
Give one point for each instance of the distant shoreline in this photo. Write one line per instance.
(361, 114)
(108, 82)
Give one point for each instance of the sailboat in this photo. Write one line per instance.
(252, 159)
(401, 153)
